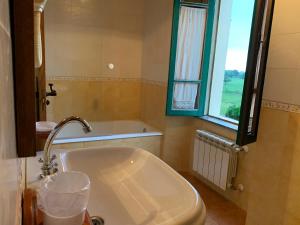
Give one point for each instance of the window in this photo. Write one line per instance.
(218, 58)
(191, 38)
(230, 58)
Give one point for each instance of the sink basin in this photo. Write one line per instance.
(130, 186)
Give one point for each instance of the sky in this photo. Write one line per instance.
(242, 12)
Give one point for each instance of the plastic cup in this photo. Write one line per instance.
(63, 198)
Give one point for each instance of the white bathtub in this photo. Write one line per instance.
(129, 133)
(108, 130)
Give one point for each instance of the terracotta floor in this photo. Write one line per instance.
(219, 210)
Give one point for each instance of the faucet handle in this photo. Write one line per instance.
(53, 157)
(41, 160)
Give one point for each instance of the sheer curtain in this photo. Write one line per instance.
(190, 43)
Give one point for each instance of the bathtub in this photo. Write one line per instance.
(125, 133)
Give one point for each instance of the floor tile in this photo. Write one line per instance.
(220, 211)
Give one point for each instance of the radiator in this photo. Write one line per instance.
(215, 158)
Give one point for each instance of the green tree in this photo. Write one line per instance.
(233, 112)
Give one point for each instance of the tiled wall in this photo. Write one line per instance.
(10, 168)
(95, 99)
(284, 64)
(269, 172)
(282, 85)
(82, 39)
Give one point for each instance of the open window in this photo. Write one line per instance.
(218, 59)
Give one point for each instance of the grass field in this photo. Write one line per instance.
(232, 93)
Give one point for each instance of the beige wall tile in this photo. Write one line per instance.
(281, 85)
(292, 211)
(284, 51)
(157, 39)
(153, 104)
(10, 168)
(83, 37)
(95, 100)
(4, 16)
(285, 20)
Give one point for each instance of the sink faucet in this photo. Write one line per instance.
(49, 167)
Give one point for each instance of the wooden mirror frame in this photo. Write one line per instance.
(22, 35)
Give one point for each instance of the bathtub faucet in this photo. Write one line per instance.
(49, 166)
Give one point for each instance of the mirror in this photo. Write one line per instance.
(92, 59)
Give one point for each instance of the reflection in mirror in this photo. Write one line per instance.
(189, 55)
(92, 65)
(185, 96)
(195, 1)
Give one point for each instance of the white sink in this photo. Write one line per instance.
(133, 187)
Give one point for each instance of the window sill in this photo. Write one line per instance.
(220, 122)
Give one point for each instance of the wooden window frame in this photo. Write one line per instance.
(22, 35)
(263, 9)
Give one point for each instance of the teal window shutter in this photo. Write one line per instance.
(200, 83)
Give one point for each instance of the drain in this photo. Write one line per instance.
(96, 220)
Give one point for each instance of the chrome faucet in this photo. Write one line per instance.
(49, 167)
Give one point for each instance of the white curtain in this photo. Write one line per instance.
(190, 43)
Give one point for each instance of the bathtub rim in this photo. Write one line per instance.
(105, 137)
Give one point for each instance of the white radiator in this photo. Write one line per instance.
(215, 158)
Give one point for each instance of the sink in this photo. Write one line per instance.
(130, 186)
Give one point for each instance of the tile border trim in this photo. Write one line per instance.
(154, 82)
(281, 106)
(105, 78)
(90, 78)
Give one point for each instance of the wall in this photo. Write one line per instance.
(270, 171)
(82, 38)
(10, 168)
(96, 100)
(279, 140)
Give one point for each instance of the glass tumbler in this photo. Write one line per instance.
(63, 198)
